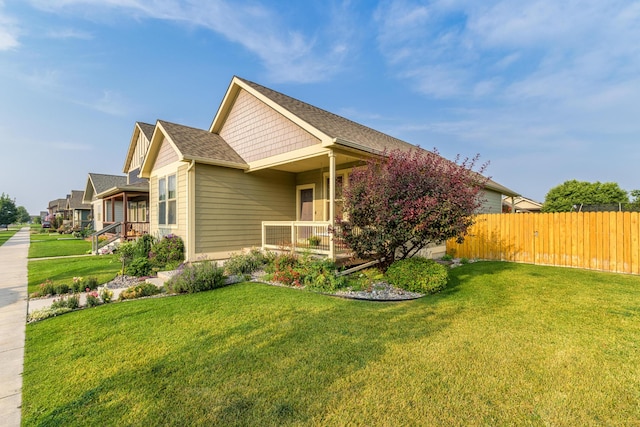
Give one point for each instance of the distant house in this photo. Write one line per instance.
(269, 172)
(520, 204)
(123, 199)
(79, 212)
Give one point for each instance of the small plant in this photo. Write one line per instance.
(447, 257)
(243, 264)
(169, 249)
(418, 275)
(139, 267)
(46, 288)
(314, 241)
(464, 260)
(72, 302)
(62, 288)
(45, 313)
(106, 295)
(93, 299)
(138, 291)
(365, 279)
(202, 276)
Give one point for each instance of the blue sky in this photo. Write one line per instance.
(546, 91)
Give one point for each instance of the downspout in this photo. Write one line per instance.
(190, 213)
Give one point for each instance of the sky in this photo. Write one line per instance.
(545, 91)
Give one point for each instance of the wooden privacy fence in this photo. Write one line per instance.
(606, 241)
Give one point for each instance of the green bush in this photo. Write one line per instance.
(169, 250)
(139, 267)
(320, 275)
(240, 264)
(138, 291)
(92, 299)
(418, 275)
(106, 295)
(202, 276)
(62, 288)
(72, 302)
(365, 279)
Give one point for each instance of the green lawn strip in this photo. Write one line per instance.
(63, 270)
(505, 344)
(7, 234)
(49, 245)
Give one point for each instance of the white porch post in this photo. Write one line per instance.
(332, 202)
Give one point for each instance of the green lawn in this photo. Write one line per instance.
(49, 245)
(63, 270)
(7, 234)
(505, 344)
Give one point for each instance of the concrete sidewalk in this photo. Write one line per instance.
(13, 313)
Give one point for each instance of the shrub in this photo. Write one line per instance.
(45, 313)
(240, 264)
(62, 288)
(138, 291)
(418, 275)
(91, 282)
(72, 302)
(46, 288)
(320, 275)
(365, 279)
(139, 267)
(199, 277)
(170, 249)
(92, 299)
(106, 295)
(447, 257)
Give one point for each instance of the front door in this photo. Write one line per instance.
(306, 204)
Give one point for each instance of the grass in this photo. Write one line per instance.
(48, 245)
(504, 344)
(103, 267)
(7, 234)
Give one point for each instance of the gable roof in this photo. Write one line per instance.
(102, 185)
(75, 200)
(339, 129)
(147, 130)
(192, 144)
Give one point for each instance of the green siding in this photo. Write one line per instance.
(231, 205)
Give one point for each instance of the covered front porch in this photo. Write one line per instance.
(130, 209)
(319, 179)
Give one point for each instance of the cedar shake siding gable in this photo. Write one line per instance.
(257, 131)
(166, 155)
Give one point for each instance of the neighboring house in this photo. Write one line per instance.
(57, 207)
(269, 172)
(124, 200)
(520, 204)
(79, 212)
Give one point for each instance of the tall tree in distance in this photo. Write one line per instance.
(573, 193)
(8, 210)
(401, 201)
(22, 215)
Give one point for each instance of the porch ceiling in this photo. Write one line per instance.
(317, 162)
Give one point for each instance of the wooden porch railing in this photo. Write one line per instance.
(311, 236)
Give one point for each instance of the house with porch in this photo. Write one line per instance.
(120, 203)
(78, 211)
(268, 173)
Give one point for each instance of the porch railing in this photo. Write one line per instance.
(109, 234)
(312, 236)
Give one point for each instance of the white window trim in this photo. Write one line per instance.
(166, 178)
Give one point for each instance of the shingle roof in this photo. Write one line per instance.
(201, 144)
(75, 201)
(333, 125)
(102, 183)
(147, 129)
(344, 129)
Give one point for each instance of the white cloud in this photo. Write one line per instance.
(69, 33)
(110, 102)
(8, 31)
(287, 53)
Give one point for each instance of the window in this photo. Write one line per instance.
(167, 192)
(132, 215)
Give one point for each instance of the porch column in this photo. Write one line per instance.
(125, 214)
(332, 202)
